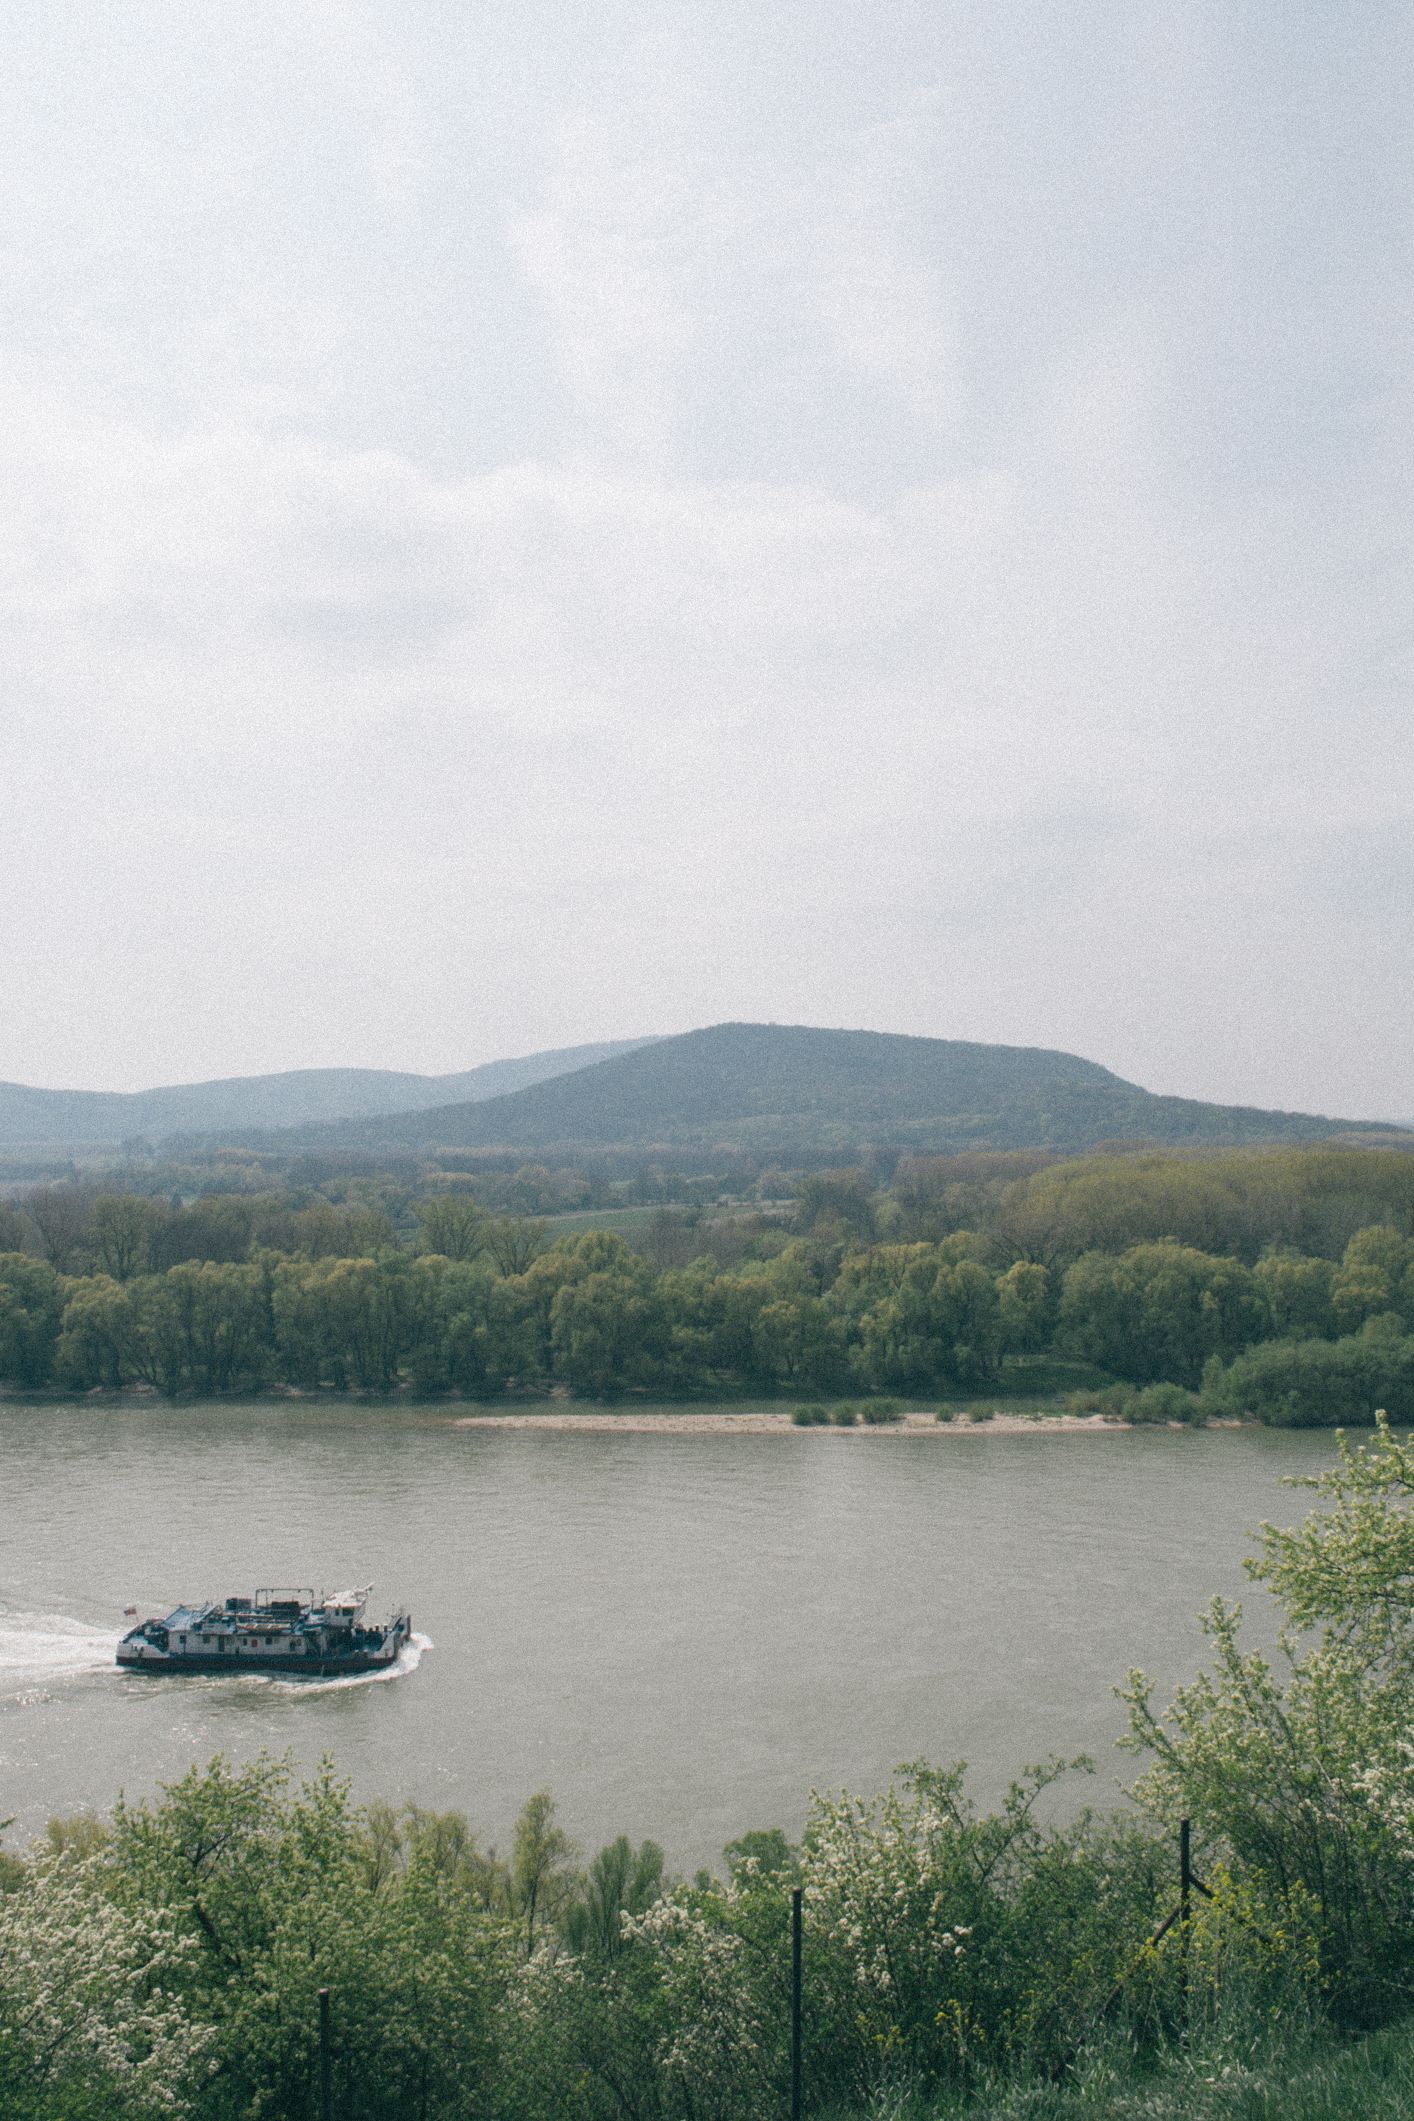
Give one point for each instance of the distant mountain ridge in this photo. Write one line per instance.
(773, 1090)
(31, 1118)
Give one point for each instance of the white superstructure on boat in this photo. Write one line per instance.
(286, 1631)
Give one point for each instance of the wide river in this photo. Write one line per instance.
(678, 1633)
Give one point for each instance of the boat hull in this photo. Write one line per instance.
(160, 1663)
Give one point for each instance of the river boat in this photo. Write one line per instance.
(290, 1632)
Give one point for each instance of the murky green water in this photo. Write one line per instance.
(680, 1634)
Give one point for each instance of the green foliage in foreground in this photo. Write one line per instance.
(179, 1963)
(1299, 1772)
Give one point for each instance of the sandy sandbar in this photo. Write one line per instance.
(764, 1422)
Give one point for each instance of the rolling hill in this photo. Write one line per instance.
(42, 1118)
(773, 1090)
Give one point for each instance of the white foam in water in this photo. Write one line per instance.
(407, 1661)
(37, 1648)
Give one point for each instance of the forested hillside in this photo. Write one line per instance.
(792, 1092)
(33, 1118)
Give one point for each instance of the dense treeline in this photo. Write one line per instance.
(926, 1287)
(587, 1311)
(1292, 1339)
(171, 1962)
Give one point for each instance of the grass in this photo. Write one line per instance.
(621, 1219)
(1368, 2080)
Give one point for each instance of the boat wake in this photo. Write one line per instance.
(404, 1664)
(39, 1648)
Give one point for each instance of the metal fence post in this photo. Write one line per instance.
(324, 2107)
(795, 2004)
(1185, 1902)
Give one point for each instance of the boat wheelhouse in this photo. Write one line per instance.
(284, 1631)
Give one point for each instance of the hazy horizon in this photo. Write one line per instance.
(528, 526)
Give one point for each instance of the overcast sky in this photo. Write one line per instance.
(534, 523)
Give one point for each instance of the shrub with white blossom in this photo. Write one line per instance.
(90, 1996)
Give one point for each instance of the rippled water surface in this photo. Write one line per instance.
(679, 1634)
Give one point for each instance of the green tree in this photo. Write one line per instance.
(218, 1228)
(1239, 1206)
(1024, 1303)
(275, 1897)
(943, 1947)
(542, 1875)
(63, 1222)
(794, 1342)
(767, 1848)
(845, 1200)
(354, 1321)
(1376, 1276)
(514, 1242)
(122, 1233)
(1160, 1311)
(711, 1321)
(531, 1191)
(1319, 1384)
(920, 1314)
(1297, 1293)
(483, 1335)
(452, 1224)
(622, 1880)
(32, 1298)
(607, 1331)
(306, 1342)
(1280, 1764)
(203, 1328)
(100, 1343)
(444, 1843)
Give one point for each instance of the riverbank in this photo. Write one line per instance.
(762, 1422)
(536, 1408)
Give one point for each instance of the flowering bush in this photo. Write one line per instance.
(948, 1944)
(940, 1945)
(88, 2000)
